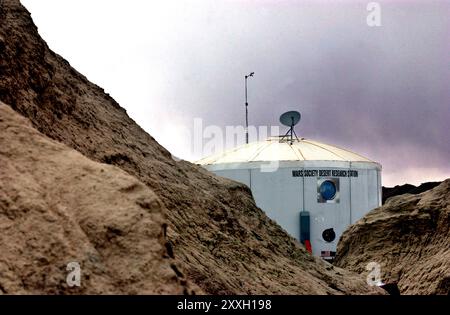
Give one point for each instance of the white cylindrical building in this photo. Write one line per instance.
(313, 190)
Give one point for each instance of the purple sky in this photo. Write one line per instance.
(383, 92)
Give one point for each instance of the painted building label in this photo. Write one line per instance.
(315, 173)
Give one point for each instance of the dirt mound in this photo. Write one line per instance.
(389, 192)
(57, 207)
(219, 237)
(409, 237)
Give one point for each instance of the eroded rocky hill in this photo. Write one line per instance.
(409, 237)
(59, 207)
(218, 237)
(389, 192)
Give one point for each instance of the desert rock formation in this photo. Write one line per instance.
(389, 192)
(409, 237)
(220, 240)
(57, 207)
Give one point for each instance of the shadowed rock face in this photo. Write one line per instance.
(219, 238)
(409, 237)
(57, 207)
(389, 192)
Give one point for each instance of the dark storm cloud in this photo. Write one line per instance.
(381, 91)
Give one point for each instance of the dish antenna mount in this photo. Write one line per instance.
(290, 119)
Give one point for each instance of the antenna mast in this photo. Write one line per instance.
(246, 107)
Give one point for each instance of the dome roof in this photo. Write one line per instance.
(273, 149)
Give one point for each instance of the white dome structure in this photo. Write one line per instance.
(311, 189)
(275, 149)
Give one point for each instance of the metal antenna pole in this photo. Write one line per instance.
(292, 127)
(246, 111)
(246, 107)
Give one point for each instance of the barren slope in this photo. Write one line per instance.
(221, 239)
(57, 207)
(389, 192)
(409, 237)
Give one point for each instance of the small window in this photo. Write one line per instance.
(329, 235)
(328, 190)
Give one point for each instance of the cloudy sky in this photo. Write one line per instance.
(383, 92)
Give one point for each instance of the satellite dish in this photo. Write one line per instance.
(290, 118)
